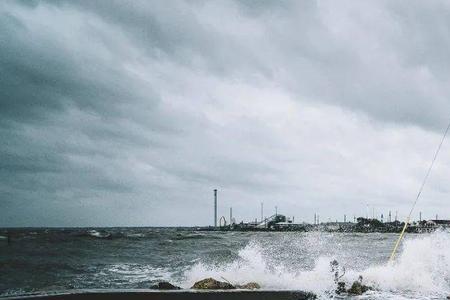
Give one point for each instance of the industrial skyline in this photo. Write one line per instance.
(379, 217)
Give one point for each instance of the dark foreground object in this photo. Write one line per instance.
(172, 295)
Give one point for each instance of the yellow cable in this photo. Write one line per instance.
(398, 241)
(419, 193)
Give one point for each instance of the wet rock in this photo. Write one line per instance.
(212, 284)
(340, 288)
(249, 286)
(358, 288)
(164, 285)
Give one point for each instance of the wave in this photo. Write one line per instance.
(422, 267)
(99, 234)
(421, 270)
(189, 236)
(137, 273)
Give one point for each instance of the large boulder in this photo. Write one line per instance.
(249, 286)
(358, 288)
(212, 284)
(164, 285)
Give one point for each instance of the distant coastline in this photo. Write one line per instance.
(362, 225)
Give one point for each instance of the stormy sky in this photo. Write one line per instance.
(129, 113)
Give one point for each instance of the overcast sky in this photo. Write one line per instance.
(131, 112)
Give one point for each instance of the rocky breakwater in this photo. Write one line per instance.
(207, 284)
(210, 288)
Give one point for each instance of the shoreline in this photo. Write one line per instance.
(188, 294)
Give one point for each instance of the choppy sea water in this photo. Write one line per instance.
(59, 259)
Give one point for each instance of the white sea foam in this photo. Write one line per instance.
(253, 266)
(423, 267)
(421, 270)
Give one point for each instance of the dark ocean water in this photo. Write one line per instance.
(60, 259)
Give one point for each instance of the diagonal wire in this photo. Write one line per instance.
(419, 193)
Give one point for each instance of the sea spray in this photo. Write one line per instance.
(422, 267)
(254, 265)
(421, 270)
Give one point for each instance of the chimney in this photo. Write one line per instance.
(215, 207)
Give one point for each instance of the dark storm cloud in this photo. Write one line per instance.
(111, 111)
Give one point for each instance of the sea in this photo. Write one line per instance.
(54, 259)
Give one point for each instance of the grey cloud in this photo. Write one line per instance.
(133, 108)
(308, 48)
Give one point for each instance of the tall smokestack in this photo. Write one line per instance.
(231, 215)
(262, 211)
(215, 207)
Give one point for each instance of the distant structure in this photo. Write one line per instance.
(222, 222)
(231, 215)
(262, 211)
(215, 207)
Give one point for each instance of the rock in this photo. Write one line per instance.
(164, 285)
(249, 286)
(212, 284)
(358, 288)
(340, 288)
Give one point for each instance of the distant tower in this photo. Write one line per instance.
(315, 219)
(262, 211)
(390, 217)
(396, 215)
(231, 215)
(276, 210)
(420, 216)
(345, 218)
(215, 207)
(382, 218)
